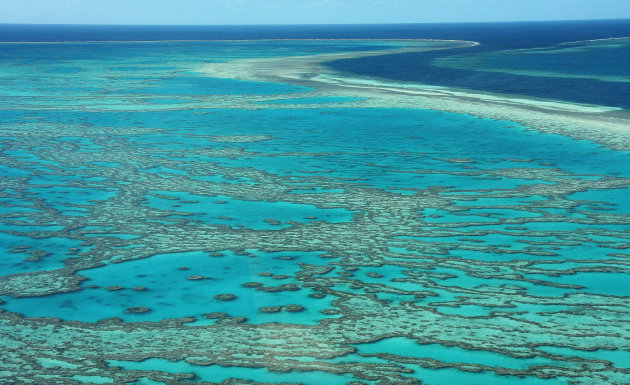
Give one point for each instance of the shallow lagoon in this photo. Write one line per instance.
(184, 284)
(241, 213)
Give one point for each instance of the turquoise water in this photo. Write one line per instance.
(184, 284)
(409, 348)
(282, 233)
(314, 100)
(25, 254)
(240, 213)
(212, 86)
(618, 358)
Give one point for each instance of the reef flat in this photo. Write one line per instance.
(262, 219)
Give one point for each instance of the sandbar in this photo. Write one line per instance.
(608, 126)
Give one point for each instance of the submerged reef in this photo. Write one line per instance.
(157, 233)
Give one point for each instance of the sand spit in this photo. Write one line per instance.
(605, 125)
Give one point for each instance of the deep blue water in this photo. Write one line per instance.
(507, 35)
(409, 67)
(420, 67)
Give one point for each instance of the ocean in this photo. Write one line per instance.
(361, 204)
